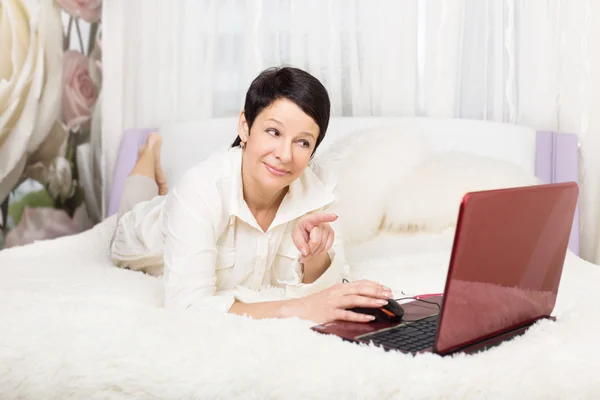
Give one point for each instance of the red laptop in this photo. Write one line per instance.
(505, 269)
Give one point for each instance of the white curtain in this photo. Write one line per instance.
(535, 63)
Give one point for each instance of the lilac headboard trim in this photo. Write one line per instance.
(543, 156)
(557, 160)
(128, 151)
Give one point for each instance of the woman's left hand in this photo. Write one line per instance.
(313, 235)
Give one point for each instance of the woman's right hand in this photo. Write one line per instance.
(333, 303)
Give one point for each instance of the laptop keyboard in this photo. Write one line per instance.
(411, 337)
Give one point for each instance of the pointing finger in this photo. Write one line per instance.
(313, 220)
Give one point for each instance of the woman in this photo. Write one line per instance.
(252, 216)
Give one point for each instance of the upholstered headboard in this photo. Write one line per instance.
(552, 157)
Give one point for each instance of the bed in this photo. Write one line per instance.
(74, 326)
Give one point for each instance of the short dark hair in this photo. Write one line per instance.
(292, 84)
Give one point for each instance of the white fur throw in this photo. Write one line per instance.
(76, 327)
(365, 164)
(428, 198)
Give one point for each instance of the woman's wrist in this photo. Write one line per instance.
(290, 308)
(313, 267)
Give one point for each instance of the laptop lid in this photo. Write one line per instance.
(506, 262)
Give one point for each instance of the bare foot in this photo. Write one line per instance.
(154, 143)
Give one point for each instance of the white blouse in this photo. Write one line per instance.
(210, 243)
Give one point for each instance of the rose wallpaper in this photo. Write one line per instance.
(50, 86)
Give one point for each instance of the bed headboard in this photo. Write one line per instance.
(551, 157)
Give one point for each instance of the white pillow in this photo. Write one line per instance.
(428, 198)
(364, 165)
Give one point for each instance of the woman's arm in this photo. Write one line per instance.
(268, 309)
(190, 255)
(325, 306)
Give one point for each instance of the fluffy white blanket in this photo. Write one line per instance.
(75, 327)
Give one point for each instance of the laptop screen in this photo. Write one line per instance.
(506, 264)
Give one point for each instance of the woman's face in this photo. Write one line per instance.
(279, 145)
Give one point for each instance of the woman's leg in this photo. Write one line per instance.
(137, 241)
(147, 178)
(148, 163)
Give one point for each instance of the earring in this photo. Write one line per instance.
(242, 144)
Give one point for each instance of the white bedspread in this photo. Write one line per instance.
(72, 326)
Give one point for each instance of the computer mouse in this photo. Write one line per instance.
(391, 312)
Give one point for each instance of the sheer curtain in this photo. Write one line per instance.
(532, 63)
